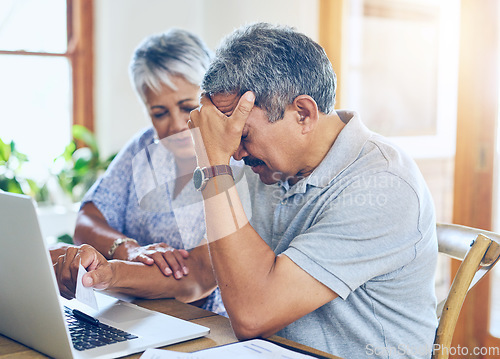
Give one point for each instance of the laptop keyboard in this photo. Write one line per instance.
(86, 335)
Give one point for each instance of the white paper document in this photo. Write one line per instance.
(250, 349)
(83, 294)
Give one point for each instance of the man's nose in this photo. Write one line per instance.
(240, 153)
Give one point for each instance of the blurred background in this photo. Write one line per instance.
(423, 72)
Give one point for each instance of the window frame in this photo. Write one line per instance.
(80, 53)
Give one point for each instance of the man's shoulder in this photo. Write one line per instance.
(380, 155)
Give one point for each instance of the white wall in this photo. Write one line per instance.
(120, 25)
(222, 16)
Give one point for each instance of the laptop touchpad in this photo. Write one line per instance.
(121, 312)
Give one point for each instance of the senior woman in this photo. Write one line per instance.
(143, 209)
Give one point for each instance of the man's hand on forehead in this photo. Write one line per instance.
(217, 125)
(225, 103)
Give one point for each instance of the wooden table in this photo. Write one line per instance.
(220, 332)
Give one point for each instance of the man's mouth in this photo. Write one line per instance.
(253, 162)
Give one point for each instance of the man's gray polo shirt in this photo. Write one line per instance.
(362, 224)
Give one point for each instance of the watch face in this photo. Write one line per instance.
(198, 178)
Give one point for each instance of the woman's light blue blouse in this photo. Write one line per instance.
(135, 196)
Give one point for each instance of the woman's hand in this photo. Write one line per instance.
(169, 260)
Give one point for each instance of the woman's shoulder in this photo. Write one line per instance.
(140, 140)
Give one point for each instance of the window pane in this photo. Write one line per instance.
(33, 25)
(36, 108)
(401, 72)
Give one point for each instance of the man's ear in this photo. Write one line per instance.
(307, 112)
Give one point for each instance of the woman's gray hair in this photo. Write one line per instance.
(172, 53)
(277, 63)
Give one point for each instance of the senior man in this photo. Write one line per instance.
(339, 250)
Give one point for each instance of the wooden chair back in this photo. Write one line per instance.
(479, 251)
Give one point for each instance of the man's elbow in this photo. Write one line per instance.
(244, 333)
(249, 327)
(193, 290)
(201, 280)
(188, 295)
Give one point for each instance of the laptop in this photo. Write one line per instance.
(33, 313)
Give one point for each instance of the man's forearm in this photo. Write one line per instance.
(262, 292)
(145, 281)
(243, 262)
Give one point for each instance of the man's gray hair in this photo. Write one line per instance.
(172, 53)
(277, 64)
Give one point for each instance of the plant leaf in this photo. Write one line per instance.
(65, 238)
(83, 134)
(33, 186)
(13, 186)
(68, 151)
(4, 151)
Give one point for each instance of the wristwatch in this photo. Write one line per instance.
(117, 243)
(202, 175)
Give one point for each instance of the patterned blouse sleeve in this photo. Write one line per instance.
(111, 192)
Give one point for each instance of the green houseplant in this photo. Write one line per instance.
(81, 166)
(74, 171)
(11, 179)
